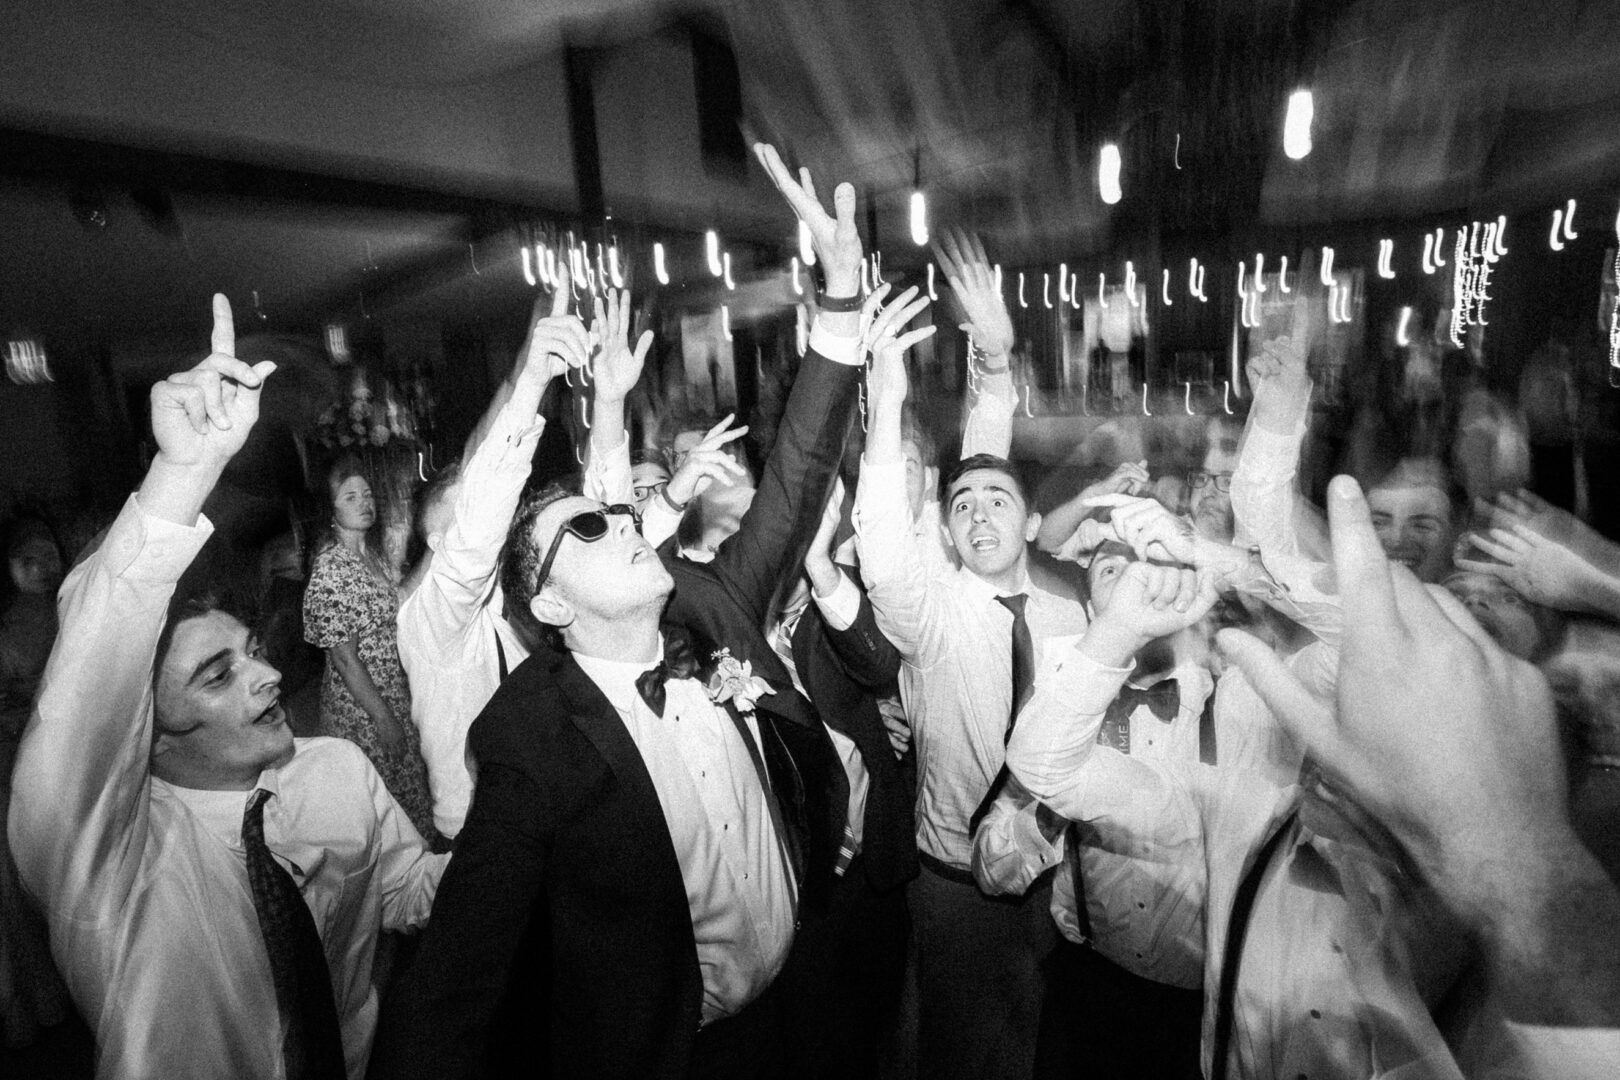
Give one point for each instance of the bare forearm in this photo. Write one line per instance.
(352, 670)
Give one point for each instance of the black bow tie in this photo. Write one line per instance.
(1163, 698)
(679, 662)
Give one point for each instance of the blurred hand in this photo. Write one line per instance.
(1148, 603)
(887, 379)
(1150, 529)
(973, 283)
(203, 416)
(1128, 478)
(556, 342)
(836, 241)
(1543, 571)
(1440, 735)
(1555, 524)
(617, 367)
(706, 463)
(1278, 375)
(894, 721)
(818, 558)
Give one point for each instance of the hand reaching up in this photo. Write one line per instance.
(973, 283)
(1279, 376)
(887, 379)
(1556, 524)
(836, 241)
(617, 368)
(1147, 603)
(706, 463)
(1541, 570)
(203, 416)
(557, 341)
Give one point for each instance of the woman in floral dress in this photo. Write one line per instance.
(349, 610)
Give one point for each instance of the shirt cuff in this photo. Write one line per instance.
(835, 347)
(146, 548)
(841, 606)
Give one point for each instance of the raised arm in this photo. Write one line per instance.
(79, 801)
(616, 370)
(988, 429)
(864, 653)
(1263, 482)
(1549, 557)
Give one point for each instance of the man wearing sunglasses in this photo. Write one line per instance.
(643, 844)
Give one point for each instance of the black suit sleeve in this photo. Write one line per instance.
(868, 657)
(786, 509)
(437, 1021)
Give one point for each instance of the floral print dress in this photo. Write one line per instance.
(344, 600)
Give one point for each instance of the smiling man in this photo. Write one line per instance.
(968, 638)
(214, 885)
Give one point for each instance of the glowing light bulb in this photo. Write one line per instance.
(528, 265)
(1282, 276)
(1439, 247)
(1102, 289)
(1063, 282)
(1569, 220)
(1164, 291)
(932, 295)
(1046, 290)
(1195, 282)
(1327, 266)
(725, 267)
(725, 322)
(1297, 124)
(1401, 337)
(613, 267)
(919, 219)
(1130, 283)
(1226, 397)
(807, 250)
(658, 265)
(1108, 165)
(1496, 237)
(1259, 272)
(1144, 401)
(1553, 239)
(711, 247)
(1386, 252)
(798, 286)
(1021, 301)
(1429, 265)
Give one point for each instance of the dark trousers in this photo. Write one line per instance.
(841, 988)
(980, 978)
(1101, 1022)
(747, 1046)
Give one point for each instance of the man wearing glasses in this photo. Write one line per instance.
(1209, 498)
(642, 843)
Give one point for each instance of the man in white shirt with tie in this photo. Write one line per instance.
(978, 975)
(214, 886)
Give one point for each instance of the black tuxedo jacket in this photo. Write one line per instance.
(845, 673)
(561, 940)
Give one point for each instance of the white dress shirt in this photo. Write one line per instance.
(450, 622)
(145, 883)
(739, 885)
(1344, 958)
(956, 643)
(1146, 910)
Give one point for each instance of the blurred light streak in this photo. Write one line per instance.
(725, 322)
(1164, 291)
(798, 285)
(1021, 301)
(1130, 283)
(1259, 272)
(1386, 252)
(919, 219)
(725, 265)
(1401, 337)
(1569, 220)
(1327, 266)
(528, 265)
(807, 250)
(613, 266)
(1297, 124)
(1144, 401)
(711, 247)
(1046, 290)
(659, 269)
(932, 294)
(1552, 237)
(1108, 166)
(1282, 276)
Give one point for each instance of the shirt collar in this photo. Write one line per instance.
(978, 588)
(617, 678)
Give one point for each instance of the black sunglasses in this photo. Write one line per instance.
(589, 526)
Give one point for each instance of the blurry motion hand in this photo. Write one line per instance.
(836, 241)
(973, 283)
(557, 341)
(1148, 602)
(1279, 377)
(201, 417)
(706, 463)
(887, 380)
(617, 368)
(1543, 571)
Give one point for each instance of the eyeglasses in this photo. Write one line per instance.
(647, 491)
(1222, 481)
(587, 525)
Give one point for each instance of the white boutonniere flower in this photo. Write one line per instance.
(734, 681)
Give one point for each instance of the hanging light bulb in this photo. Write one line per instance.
(932, 295)
(1195, 281)
(613, 266)
(1164, 291)
(1021, 301)
(1569, 220)
(1429, 265)
(919, 219)
(1554, 241)
(1102, 289)
(1046, 291)
(725, 267)
(725, 322)
(807, 250)
(1260, 272)
(1327, 266)
(528, 265)
(1108, 165)
(658, 265)
(1402, 338)
(1497, 246)
(711, 246)
(1063, 282)
(1297, 124)
(1282, 276)
(1386, 252)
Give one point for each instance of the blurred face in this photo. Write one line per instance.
(988, 522)
(1505, 615)
(1209, 492)
(1414, 525)
(36, 567)
(647, 480)
(916, 478)
(352, 506)
(608, 578)
(1102, 576)
(219, 713)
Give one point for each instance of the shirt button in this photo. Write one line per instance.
(1316, 1014)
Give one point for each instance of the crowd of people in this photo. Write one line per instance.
(678, 768)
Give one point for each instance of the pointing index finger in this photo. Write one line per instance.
(223, 340)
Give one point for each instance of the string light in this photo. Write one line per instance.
(711, 247)
(528, 267)
(1102, 289)
(613, 266)
(1282, 276)
(1021, 301)
(1429, 265)
(1488, 248)
(932, 295)
(1195, 282)
(1327, 266)
(1164, 291)
(1186, 401)
(1130, 283)
(1063, 282)
(798, 286)
(659, 270)
(1470, 283)
(1439, 246)
(27, 364)
(1297, 124)
(1553, 240)
(725, 266)
(1386, 252)
(1046, 291)
(1569, 220)
(919, 219)
(1496, 237)
(1144, 401)
(807, 249)
(725, 322)
(1108, 165)
(1401, 337)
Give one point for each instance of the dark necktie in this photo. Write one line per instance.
(313, 1046)
(679, 662)
(1023, 685)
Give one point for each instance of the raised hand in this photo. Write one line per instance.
(557, 342)
(836, 241)
(617, 367)
(1150, 529)
(707, 462)
(973, 283)
(1556, 524)
(887, 380)
(1279, 377)
(203, 416)
(1128, 478)
(1540, 569)
(818, 558)
(1148, 602)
